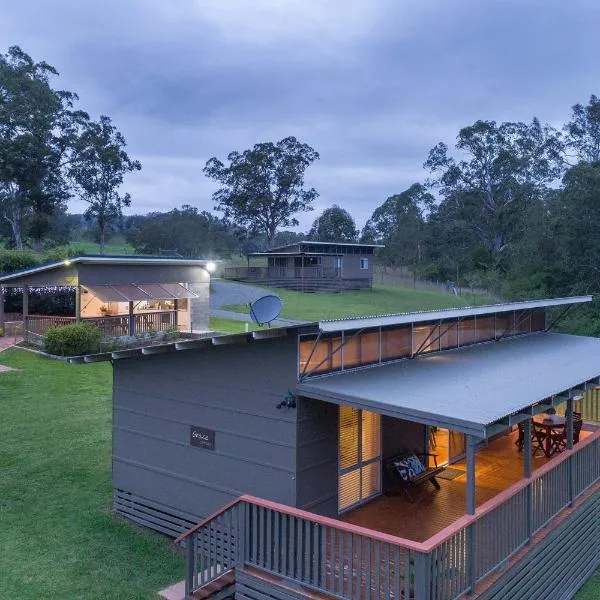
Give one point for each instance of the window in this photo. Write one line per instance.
(364, 263)
(359, 456)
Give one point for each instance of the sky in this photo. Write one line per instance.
(372, 85)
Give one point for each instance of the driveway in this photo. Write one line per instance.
(223, 293)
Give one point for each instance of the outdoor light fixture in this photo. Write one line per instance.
(289, 401)
(67, 262)
(210, 267)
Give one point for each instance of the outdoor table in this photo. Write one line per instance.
(548, 424)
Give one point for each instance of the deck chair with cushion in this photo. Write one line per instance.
(407, 471)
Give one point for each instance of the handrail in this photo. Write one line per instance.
(426, 546)
(207, 520)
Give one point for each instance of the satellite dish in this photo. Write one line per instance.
(265, 309)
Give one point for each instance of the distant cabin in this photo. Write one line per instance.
(309, 266)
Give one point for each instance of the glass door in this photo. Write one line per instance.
(359, 458)
(449, 446)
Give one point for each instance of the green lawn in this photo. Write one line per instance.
(115, 245)
(382, 299)
(591, 590)
(58, 538)
(230, 326)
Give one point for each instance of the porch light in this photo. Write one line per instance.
(67, 262)
(210, 267)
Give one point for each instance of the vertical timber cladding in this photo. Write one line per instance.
(227, 394)
(559, 564)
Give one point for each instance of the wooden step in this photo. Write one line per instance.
(214, 587)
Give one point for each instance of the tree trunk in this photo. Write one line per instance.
(101, 240)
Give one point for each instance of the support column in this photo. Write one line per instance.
(77, 303)
(25, 310)
(527, 469)
(131, 328)
(569, 433)
(2, 309)
(176, 307)
(471, 542)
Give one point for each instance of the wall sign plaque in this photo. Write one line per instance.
(202, 437)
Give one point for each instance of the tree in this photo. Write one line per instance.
(184, 231)
(38, 127)
(98, 173)
(334, 225)
(263, 188)
(399, 224)
(503, 168)
(583, 130)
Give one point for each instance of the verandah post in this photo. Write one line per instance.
(77, 303)
(569, 432)
(471, 542)
(131, 326)
(1, 307)
(26, 312)
(527, 449)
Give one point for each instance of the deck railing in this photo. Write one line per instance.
(355, 563)
(35, 326)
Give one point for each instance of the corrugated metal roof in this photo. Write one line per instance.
(467, 389)
(130, 292)
(112, 260)
(446, 313)
(316, 243)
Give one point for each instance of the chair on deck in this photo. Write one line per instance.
(538, 438)
(559, 436)
(407, 471)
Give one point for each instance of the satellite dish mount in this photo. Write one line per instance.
(265, 310)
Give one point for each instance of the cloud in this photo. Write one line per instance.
(371, 85)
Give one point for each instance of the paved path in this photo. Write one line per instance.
(223, 293)
(8, 341)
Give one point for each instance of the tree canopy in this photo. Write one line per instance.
(263, 188)
(334, 225)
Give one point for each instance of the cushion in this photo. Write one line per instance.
(409, 466)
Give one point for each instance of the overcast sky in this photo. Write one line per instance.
(372, 85)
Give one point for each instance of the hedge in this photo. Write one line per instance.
(73, 339)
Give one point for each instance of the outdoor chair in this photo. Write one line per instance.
(577, 426)
(407, 471)
(538, 438)
(520, 441)
(559, 436)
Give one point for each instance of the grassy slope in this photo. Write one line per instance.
(57, 534)
(115, 245)
(383, 299)
(230, 326)
(591, 590)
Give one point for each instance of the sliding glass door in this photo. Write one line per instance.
(359, 457)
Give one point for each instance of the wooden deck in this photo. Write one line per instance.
(498, 466)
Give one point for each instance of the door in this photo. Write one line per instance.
(448, 446)
(359, 457)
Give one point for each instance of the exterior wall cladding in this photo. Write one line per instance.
(286, 455)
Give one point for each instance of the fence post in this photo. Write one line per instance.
(190, 566)
(527, 468)
(422, 589)
(241, 509)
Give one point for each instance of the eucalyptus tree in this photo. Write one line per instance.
(38, 128)
(334, 225)
(98, 171)
(583, 130)
(263, 188)
(499, 169)
(399, 223)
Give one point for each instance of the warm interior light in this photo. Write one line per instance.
(67, 262)
(210, 267)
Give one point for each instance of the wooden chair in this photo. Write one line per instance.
(520, 441)
(538, 438)
(405, 485)
(577, 426)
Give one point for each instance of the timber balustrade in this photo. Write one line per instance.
(355, 563)
(35, 326)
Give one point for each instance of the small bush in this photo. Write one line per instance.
(74, 339)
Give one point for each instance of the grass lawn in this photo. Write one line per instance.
(591, 590)
(230, 325)
(382, 299)
(58, 538)
(115, 245)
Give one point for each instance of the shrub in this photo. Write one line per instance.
(15, 260)
(74, 339)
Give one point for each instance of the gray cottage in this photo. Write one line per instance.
(310, 266)
(420, 456)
